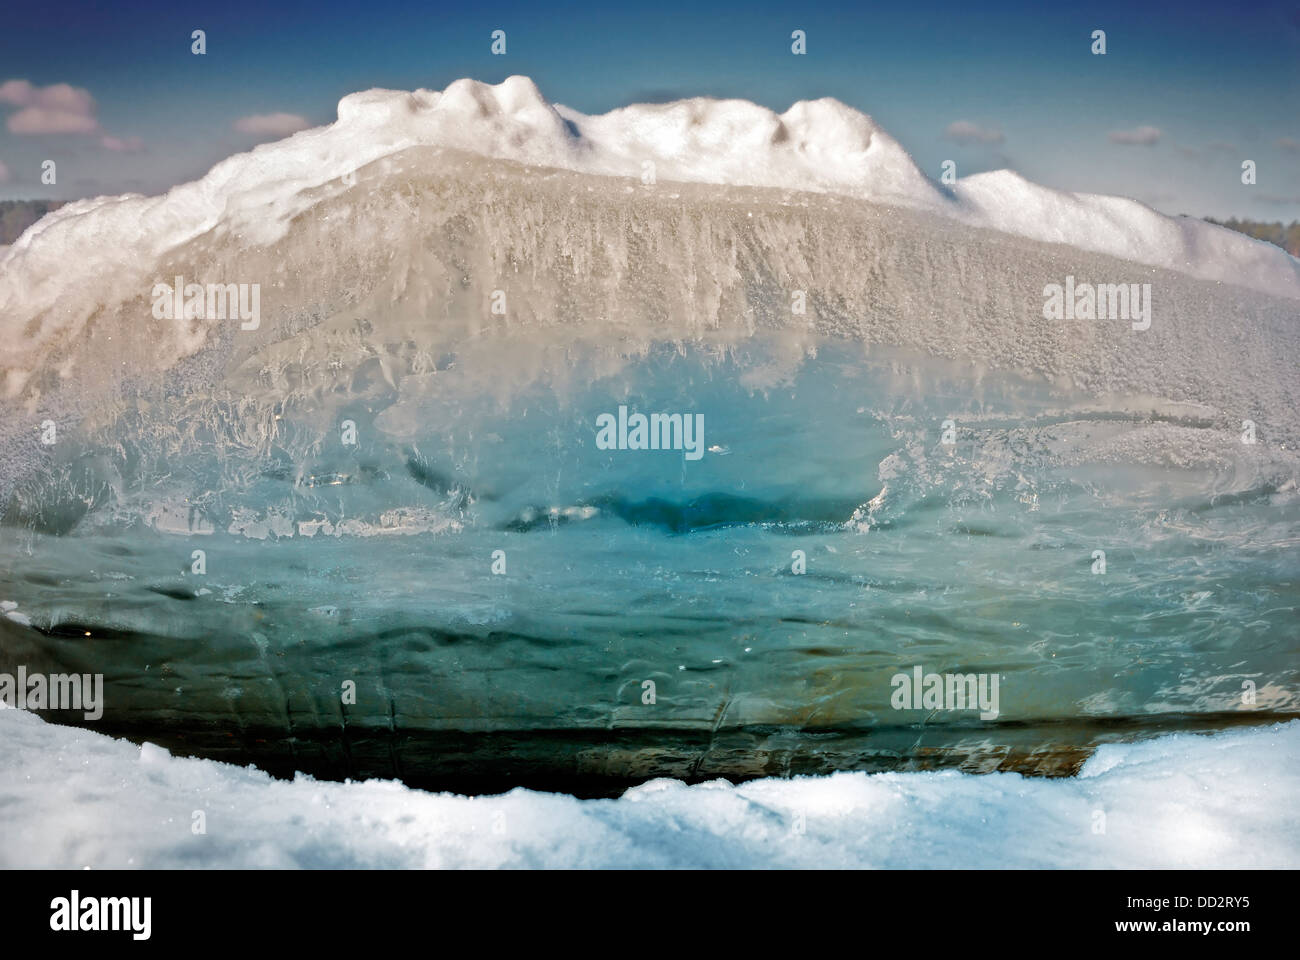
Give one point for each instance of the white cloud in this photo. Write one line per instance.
(58, 108)
(963, 131)
(1137, 137)
(1289, 144)
(272, 124)
(122, 144)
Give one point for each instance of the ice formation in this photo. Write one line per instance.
(87, 256)
(185, 509)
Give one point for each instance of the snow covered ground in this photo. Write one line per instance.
(71, 799)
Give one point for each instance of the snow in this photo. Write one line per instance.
(1006, 201)
(822, 146)
(73, 799)
(97, 247)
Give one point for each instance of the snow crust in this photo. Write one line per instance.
(81, 250)
(72, 798)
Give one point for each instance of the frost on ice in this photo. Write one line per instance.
(393, 477)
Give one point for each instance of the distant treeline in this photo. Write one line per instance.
(17, 215)
(1288, 238)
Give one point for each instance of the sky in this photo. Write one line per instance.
(112, 92)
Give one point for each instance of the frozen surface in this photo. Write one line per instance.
(72, 799)
(89, 253)
(372, 562)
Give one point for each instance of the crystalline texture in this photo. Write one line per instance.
(328, 563)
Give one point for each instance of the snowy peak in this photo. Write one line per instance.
(820, 145)
(510, 120)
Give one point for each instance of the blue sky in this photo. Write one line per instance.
(1219, 82)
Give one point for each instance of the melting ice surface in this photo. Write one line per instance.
(327, 564)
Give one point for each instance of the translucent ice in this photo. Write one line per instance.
(907, 465)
